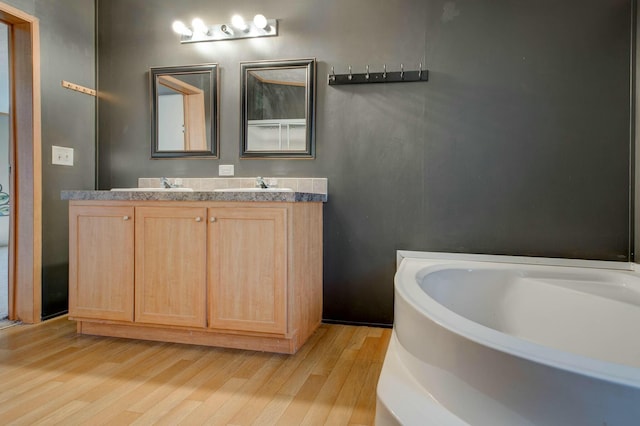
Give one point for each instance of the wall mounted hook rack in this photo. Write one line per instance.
(385, 76)
(78, 88)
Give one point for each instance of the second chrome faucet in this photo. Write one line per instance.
(260, 183)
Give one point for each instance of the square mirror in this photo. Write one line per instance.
(278, 107)
(184, 102)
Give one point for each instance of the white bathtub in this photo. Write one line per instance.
(480, 341)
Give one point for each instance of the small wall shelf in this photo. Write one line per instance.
(378, 77)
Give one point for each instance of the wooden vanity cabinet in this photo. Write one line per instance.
(248, 269)
(170, 265)
(246, 275)
(101, 262)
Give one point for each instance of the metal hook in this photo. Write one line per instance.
(333, 75)
(350, 76)
(384, 74)
(420, 71)
(402, 71)
(367, 76)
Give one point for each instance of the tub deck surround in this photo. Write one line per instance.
(231, 269)
(481, 341)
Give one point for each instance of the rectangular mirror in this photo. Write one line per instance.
(184, 102)
(278, 107)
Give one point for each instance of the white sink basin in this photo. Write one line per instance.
(254, 190)
(153, 189)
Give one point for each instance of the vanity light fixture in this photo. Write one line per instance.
(260, 26)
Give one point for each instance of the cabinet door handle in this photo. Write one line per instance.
(198, 219)
(213, 219)
(125, 218)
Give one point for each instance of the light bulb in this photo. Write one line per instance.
(181, 29)
(260, 21)
(199, 26)
(238, 22)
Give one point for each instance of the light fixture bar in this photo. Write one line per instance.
(230, 32)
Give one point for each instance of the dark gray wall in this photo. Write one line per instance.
(67, 52)
(518, 144)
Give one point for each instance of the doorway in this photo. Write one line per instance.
(25, 202)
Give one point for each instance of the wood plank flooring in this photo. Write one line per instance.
(49, 375)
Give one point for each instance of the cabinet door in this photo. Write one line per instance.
(248, 269)
(171, 266)
(101, 262)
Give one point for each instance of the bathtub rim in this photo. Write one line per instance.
(525, 260)
(410, 291)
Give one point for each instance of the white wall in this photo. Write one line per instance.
(4, 69)
(4, 127)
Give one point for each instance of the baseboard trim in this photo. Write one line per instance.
(356, 323)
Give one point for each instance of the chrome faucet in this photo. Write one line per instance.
(260, 183)
(165, 183)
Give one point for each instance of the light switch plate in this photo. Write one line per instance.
(225, 170)
(61, 155)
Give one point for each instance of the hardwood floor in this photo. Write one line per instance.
(50, 375)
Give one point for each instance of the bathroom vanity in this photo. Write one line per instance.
(240, 270)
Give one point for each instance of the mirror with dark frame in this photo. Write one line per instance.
(278, 100)
(184, 101)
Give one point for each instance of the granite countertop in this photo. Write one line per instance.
(193, 196)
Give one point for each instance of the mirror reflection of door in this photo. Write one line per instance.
(276, 109)
(4, 169)
(181, 114)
